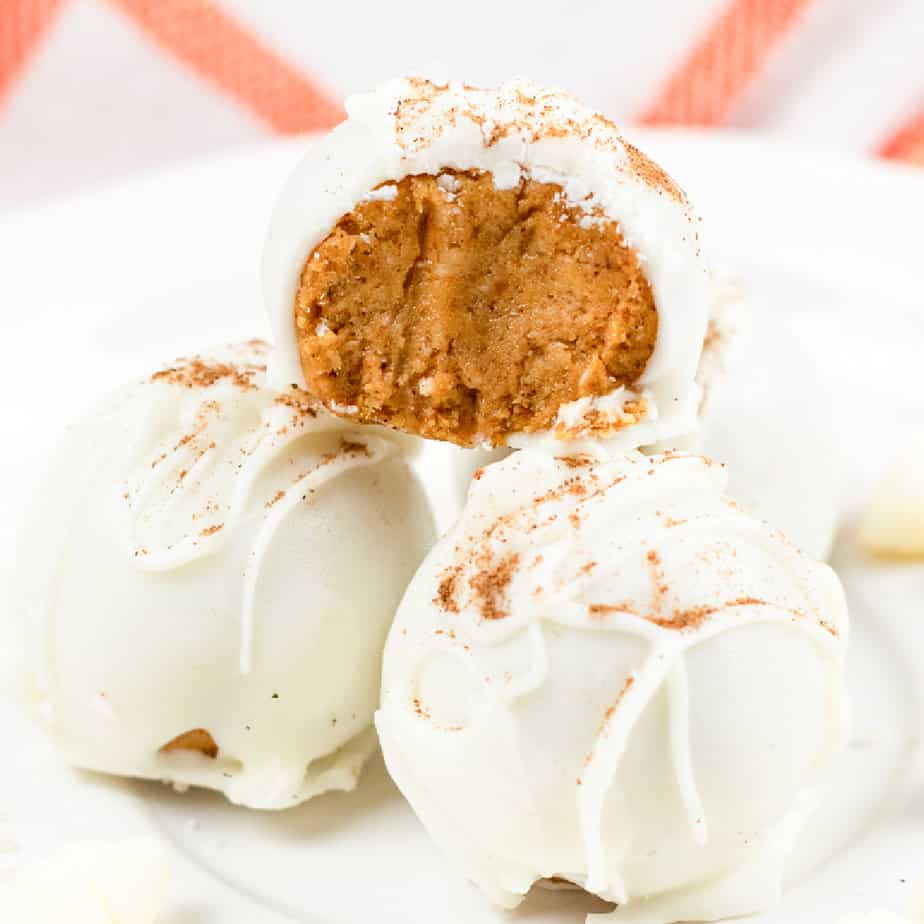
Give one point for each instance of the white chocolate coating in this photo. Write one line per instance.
(410, 127)
(213, 554)
(612, 675)
(783, 456)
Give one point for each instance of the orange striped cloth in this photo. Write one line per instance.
(722, 65)
(214, 46)
(732, 53)
(207, 41)
(702, 91)
(22, 25)
(907, 144)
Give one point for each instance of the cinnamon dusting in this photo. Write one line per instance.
(200, 372)
(446, 590)
(517, 109)
(490, 586)
(299, 401)
(575, 461)
(650, 173)
(659, 585)
(694, 617)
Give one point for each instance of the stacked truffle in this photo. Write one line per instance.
(489, 267)
(606, 674)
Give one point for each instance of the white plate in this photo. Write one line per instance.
(101, 286)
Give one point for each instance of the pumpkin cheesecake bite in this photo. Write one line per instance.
(208, 583)
(491, 268)
(609, 675)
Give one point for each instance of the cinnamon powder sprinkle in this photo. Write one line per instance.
(278, 496)
(446, 591)
(681, 620)
(490, 586)
(610, 711)
(695, 616)
(346, 447)
(531, 116)
(588, 492)
(651, 174)
(211, 530)
(669, 522)
(599, 610)
(354, 448)
(299, 401)
(575, 461)
(201, 373)
(713, 336)
(657, 578)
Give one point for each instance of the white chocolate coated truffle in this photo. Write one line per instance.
(516, 131)
(609, 674)
(214, 567)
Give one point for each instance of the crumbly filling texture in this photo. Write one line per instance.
(196, 739)
(448, 308)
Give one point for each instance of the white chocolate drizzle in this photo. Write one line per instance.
(165, 523)
(542, 531)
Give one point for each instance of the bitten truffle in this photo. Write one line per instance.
(489, 267)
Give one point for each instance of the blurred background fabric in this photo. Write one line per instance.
(93, 90)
